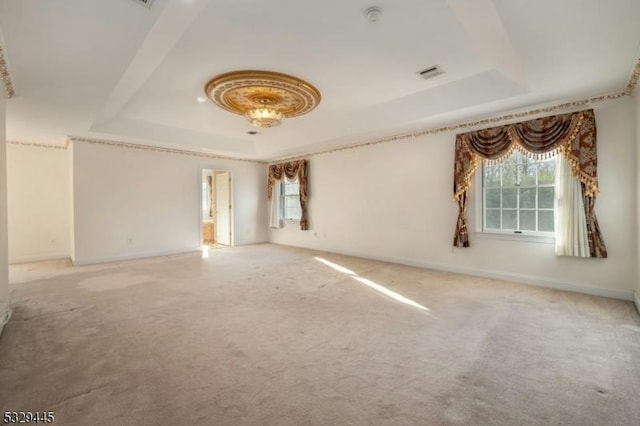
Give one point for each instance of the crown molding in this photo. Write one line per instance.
(628, 91)
(5, 77)
(633, 79)
(153, 148)
(38, 145)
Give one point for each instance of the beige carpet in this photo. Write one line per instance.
(270, 335)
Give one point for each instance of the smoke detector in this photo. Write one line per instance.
(430, 72)
(146, 3)
(373, 14)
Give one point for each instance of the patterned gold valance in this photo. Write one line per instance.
(574, 135)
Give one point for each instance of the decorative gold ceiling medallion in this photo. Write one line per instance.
(264, 97)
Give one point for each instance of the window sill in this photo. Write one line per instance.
(285, 223)
(524, 238)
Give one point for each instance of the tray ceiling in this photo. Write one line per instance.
(116, 70)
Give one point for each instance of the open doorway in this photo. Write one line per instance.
(216, 223)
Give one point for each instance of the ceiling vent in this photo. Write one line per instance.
(430, 72)
(146, 3)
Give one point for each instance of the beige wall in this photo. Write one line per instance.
(38, 203)
(96, 203)
(394, 202)
(4, 252)
(131, 203)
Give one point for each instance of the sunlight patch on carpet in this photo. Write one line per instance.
(379, 288)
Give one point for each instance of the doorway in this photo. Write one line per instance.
(216, 218)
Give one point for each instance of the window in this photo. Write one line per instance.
(518, 195)
(290, 199)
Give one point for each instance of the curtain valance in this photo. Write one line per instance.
(573, 135)
(291, 170)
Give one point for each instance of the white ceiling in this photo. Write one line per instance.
(116, 70)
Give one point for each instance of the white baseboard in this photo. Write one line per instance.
(135, 256)
(499, 275)
(37, 258)
(636, 299)
(248, 243)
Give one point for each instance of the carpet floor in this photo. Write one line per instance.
(274, 335)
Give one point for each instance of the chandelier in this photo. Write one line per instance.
(264, 116)
(265, 98)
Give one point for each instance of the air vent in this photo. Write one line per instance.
(146, 3)
(430, 72)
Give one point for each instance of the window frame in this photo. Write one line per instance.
(510, 235)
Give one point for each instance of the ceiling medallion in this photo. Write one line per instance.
(264, 97)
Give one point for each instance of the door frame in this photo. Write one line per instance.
(231, 201)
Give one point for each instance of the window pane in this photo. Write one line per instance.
(509, 219)
(545, 198)
(527, 174)
(510, 198)
(294, 213)
(545, 221)
(527, 220)
(515, 158)
(291, 188)
(292, 207)
(528, 198)
(493, 219)
(508, 175)
(291, 201)
(493, 198)
(547, 172)
(492, 176)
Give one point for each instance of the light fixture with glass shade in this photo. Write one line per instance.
(265, 98)
(264, 116)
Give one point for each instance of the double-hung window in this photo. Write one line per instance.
(518, 196)
(290, 200)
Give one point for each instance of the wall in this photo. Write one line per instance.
(38, 203)
(4, 250)
(393, 201)
(131, 203)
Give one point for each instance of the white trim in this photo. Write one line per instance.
(40, 258)
(95, 260)
(636, 299)
(512, 236)
(499, 275)
(248, 243)
(163, 149)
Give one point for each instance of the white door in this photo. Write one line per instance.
(223, 208)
